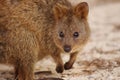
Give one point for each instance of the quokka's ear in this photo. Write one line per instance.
(59, 11)
(81, 10)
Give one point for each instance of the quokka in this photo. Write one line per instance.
(33, 29)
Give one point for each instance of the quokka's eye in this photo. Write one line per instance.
(61, 34)
(76, 34)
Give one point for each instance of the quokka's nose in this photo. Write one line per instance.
(67, 48)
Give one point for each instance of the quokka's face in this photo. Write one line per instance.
(71, 30)
(69, 36)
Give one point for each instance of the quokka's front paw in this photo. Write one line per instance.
(59, 69)
(67, 66)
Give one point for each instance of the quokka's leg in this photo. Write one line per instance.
(24, 70)
(69, 64)
(3, 54)
(59, 63)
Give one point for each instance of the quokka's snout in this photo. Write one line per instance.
(67, 48)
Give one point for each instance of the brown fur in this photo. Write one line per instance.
(29, 31)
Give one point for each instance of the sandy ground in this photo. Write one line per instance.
(100, 59)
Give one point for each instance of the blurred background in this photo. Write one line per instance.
(100, 59)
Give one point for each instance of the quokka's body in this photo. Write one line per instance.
(33, 29)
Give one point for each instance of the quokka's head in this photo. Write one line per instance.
(71, 30)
